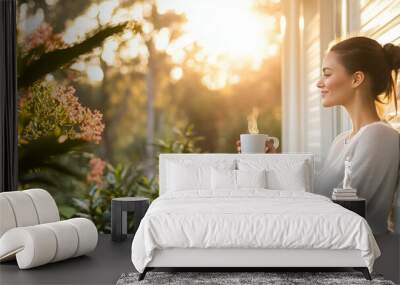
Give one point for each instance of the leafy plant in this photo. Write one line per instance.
(184, 141)
(118, 181)
(52, 123)
(39, 157)
(125, 181)
(37, 63)
(49, 110)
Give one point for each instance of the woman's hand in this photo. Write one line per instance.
(269, 146)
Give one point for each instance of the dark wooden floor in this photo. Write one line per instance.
(110, 260)
(103, 266)
(389, 262)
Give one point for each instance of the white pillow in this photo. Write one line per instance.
(295, 179)
(251, 178)
(181, 177)
(228, 179)
(223, 179)
(282, 174)
(193, 173)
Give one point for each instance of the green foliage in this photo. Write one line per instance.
(31, 71)
(52, 124)
(127, 181)
(50, 118)
(184, 141)
(41, 115)
(119, 181)
(43, 155)
(67, 212)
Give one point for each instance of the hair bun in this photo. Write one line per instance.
(392, 53)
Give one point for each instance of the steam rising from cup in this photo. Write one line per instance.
(253, 142)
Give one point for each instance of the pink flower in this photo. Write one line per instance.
(44, 36)
(46, 109)
(90, 122)
(92, 126)
(95, 175)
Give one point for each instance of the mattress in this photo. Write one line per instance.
(251, 219)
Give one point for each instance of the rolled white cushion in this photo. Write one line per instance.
(22, 207)
(40, 244)
(67, 240)
(33, 246)
(7, 218)
(26, 208)
(46, 207)
(87, 235)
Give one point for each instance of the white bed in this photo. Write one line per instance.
(280, 225)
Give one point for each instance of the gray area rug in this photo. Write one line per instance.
(228, 278)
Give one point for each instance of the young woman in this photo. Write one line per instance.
(360, 75)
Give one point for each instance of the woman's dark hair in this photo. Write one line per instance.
(380, 63)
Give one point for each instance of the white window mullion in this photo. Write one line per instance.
(329, 116)
(291, 110)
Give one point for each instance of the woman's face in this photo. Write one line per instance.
(335, 83)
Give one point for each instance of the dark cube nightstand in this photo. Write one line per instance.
(358, 206)
(119, 209)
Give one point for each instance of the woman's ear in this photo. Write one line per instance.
(358, 78)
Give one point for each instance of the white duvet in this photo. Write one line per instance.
(252, 218)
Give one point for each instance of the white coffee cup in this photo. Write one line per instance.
(255, 143)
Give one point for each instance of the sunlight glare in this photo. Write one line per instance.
(93, 11)
(106, 10)
(161, 40)
(134, 47)
(224, 27)
(176, 73)
(231, 34)
(78, 29)
(140, 10)
(94, 73)
(109, 48)
(79, 66)
(227, 35)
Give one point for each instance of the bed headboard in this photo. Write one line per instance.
(203, 157)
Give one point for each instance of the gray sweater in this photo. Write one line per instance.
(375, 154)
